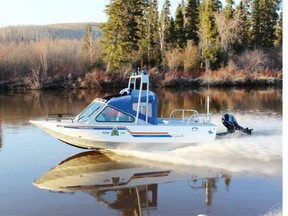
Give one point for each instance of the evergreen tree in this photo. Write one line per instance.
(255, 22)
(121, 33)
(243, 14)
(192, 17)
(144, 36)
(183, 7)
(112, 40)
(270, 18)
(264, 19)
(228, 10)
(179, 27)
(88, 43)
(149, 43)
(135, 10)
(279, 30)
(209, 41)
(171, 37)
(154, 52)
(164, 25)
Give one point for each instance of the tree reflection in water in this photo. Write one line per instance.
(129, 200)
(33, 104)
(221, 99)
(145, 197)
(1, 139)
(17, 108)
(264, 107)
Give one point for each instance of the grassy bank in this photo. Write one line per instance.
(98, 79)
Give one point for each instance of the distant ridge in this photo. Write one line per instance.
(52, 31)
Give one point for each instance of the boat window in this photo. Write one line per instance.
(142, 108)
(110, 114)
(87, 114)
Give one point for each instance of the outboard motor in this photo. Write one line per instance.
(231, 124)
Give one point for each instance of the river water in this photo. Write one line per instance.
(235, 175)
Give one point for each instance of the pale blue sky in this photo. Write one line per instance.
(39, 12)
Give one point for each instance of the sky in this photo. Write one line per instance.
(42, 12)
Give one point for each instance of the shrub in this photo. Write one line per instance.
(190, 57)
(252, 61)
(174, 59)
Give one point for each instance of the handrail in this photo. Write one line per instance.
(195, 117)
(144, 79)
(60, 116)
(200, 118)
(183, 112)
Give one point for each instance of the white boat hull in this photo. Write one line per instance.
(108, 136)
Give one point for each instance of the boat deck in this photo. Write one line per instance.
(181, 122)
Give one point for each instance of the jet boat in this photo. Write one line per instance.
(130, 118)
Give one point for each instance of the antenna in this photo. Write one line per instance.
(207, 66)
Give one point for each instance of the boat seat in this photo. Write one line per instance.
(165, 121)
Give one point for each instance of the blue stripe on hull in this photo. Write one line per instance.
(152, 135)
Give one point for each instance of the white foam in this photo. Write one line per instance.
(256, 154)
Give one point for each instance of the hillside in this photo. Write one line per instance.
(54, 31)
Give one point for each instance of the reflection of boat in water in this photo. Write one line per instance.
(132, 183)
(108, 170)
(130, 117)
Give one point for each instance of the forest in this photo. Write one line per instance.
(203, 42)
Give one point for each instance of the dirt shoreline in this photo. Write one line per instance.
(172, 83)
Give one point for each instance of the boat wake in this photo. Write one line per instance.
(256, 154)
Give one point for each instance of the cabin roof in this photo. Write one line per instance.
(125, 103)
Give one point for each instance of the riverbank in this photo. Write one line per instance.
(98, 80)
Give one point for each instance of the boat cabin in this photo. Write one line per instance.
(134, 104)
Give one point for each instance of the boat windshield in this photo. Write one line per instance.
(109, 114)
(87, 114)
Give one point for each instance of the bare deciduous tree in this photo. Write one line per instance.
(174, 59)
(42, 52)
(253, 61)
(35, 81)
(228, 30)
(190, 56)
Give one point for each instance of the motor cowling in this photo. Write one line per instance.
(230, 122)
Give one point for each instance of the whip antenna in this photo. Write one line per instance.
(207, 65)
